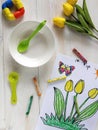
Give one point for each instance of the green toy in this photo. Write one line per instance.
(13, 80)
(24, 44)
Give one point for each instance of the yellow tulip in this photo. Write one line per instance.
(59, 21)
(79, 87)
(69, 86)
(93, 93)
(72, 2)
(68, 9)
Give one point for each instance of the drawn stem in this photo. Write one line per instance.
(76, 105)
(72, 108)
(66, 105)
(81, 106)
(83, 103)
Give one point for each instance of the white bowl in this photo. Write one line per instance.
(41, 49)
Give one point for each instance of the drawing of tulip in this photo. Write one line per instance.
(68, 88)
(79, 87)
(93, 93)
(73, 121)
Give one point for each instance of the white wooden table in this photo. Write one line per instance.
(14, 116)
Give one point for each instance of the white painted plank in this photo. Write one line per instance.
(2, 92)
(15, 115)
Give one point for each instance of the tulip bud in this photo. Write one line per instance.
(72, 2)
(93, 93)
(69, 86)
(68, 9)
(79, 87)
(59, 22)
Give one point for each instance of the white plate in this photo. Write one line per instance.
(41, 48)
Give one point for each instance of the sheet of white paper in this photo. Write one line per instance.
(85, 72)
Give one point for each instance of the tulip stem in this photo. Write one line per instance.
(66, 105)
(72, 108)
(93, 36)
(95, 29)
(72, 111)
(74, 17)
(81, 105)
(76, 105)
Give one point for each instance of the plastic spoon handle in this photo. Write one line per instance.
(13, 93)
(13, 80)
(24, 44)
(37, 30)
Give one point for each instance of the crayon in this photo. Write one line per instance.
(79, 55)
(37, 86)
(56, 79)
(29, 106)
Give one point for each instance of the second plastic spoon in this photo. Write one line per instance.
(24, 44)
(13, 80)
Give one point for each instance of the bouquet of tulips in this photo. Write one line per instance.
(81, 23)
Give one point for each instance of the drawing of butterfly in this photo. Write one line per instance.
(65, 68)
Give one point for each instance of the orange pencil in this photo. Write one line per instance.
(37, 86)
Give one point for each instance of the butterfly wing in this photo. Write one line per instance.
(61, 68)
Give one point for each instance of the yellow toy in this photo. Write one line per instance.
(13, 15)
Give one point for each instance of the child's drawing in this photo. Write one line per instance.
(65, 68)
(71, 105)
(78, 112)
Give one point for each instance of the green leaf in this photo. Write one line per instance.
(87, 14)
(59, 104)
(88, 112)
